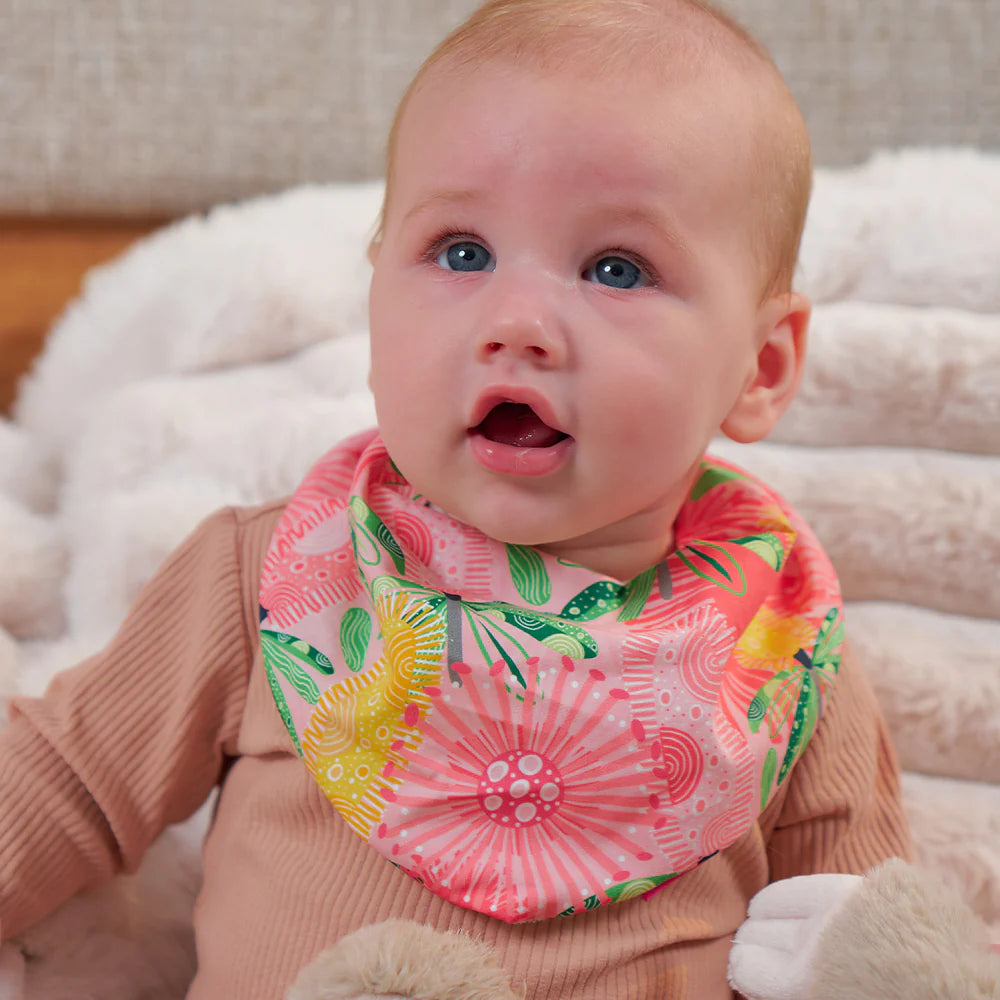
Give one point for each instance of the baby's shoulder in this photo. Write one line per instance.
(257, 516)
(236, 536)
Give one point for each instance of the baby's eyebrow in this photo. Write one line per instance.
(610, 215)
(445, 197)
(657, 222)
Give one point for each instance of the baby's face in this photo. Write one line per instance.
(564, 304)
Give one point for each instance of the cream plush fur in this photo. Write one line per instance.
(403, 959)
(903, 937)
(895, 934)
(220, 357)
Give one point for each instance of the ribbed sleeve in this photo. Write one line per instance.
(131, 740)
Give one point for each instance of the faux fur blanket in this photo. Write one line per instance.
(215, 361)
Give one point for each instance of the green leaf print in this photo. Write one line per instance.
(637, 592)
(826, 655)
(803, 724)
(370, 526)
(527, 570)
(714, 563)
(767, 777)
(355, 634)
(757, 712)
(550, 630)
(636, 887)
(593, 601)
(796, 694)
(712, 476)
(505, 655)
(309, 655)
(276, 655)
(565, 645)
(767, 546)
(282, 705)
(385, 584)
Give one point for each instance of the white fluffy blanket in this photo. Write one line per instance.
(217, 359)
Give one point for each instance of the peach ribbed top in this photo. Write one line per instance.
(137, 737)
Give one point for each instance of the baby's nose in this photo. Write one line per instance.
(532, 334)
(518, 344)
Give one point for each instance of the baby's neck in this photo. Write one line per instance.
(628, 547)
(621, 561)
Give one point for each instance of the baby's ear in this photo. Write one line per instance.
(781, 349)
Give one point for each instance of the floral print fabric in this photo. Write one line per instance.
(524, 736)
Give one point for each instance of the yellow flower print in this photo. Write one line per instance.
(348, 744)
(770, 642)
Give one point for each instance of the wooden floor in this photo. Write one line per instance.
(41, 266)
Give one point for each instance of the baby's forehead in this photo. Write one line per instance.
(680, 104)
(655, 39)
(492, 134)
(639, 60)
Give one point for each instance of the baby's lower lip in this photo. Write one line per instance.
(511, 460)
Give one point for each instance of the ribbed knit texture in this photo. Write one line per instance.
(137, 737)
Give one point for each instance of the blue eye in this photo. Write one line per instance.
(616, 272)
(466, 256)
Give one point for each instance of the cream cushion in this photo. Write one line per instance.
(141, 107)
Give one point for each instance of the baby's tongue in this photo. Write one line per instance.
(518, 425)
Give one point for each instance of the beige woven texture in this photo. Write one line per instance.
(136, 107)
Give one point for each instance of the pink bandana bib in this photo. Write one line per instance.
(524, 736)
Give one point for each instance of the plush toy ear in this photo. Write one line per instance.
(403, 960)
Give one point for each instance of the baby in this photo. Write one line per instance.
(555, 678)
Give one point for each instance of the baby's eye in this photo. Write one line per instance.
(617, 272)
(466, 256)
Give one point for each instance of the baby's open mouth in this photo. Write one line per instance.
(518, 425)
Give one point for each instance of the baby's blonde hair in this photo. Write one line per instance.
(688, 36)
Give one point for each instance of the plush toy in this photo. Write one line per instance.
(895, 934)
(892, 935)
(403, 960)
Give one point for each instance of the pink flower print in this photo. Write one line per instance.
(477, 560)
(373, 465)
(808, 572)
(679, 762)
(325, 488)
(645, 678)
(717, 791)
(700, 643)
(523, 803)
(735, 808)
(414, 537)
(685, 590)
(309, 566)
(693, 648)
(411, 532)
(739, 688)
(731, 510)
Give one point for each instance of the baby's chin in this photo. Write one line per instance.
(520, 512)
(537, 529)
(507, 530)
